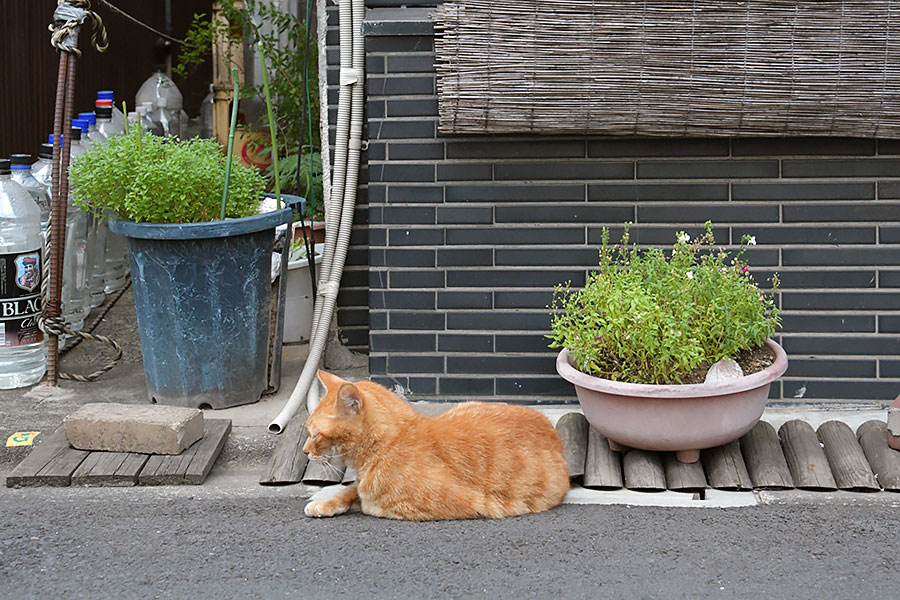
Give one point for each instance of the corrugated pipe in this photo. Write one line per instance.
(340, 203)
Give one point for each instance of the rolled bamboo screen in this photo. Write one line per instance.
(670, 67)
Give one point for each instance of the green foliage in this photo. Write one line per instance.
(153, 179)
(646, 317)
(283, 37)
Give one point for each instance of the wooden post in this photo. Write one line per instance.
(805, 457)
(725, 468)
(573, 431)
(602, 466)
(228, 53)
(848, 461)
(644, 471)
(885, 461)
(765, 460)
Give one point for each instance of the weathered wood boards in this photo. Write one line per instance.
(109, 469)
(51, 463)
(845, 456)
(288, 463)
(884, 460)
(684, 477)
(322, 473)
(191, 466)
(573, 431)
(805, 457)
(764, 459)
(725, 468)
(602, 466)
(644, 471)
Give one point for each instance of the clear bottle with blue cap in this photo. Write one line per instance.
(105, 123)
(117, 116)
(82, 126)
(23, 349)
(93, 133)
(77, 254)
(21, 165)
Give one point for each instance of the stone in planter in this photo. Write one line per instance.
(679, 418)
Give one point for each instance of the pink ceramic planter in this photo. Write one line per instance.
(680, 418)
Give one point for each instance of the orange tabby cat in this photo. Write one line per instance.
(476, 460)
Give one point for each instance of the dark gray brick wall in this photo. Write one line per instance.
(468, 235)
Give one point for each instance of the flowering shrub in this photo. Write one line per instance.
(646, 317)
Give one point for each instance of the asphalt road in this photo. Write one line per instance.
(235, 539)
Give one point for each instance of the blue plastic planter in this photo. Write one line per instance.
(203, 296)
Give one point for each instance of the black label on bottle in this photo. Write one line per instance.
(20, 298)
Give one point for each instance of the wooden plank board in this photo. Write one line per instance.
(192, 466)
(725, 467)
(644, 471)
(684, 477)
(573, 431)
(602, 466)
(215, 434)
(765, 460)
(846, 457)
(288, 462)
(317, 473)
(118, 469)
(805, 457)
(884, 460)
(50, 463)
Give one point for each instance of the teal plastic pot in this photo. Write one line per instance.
(203, 296)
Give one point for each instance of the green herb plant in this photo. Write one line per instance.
(155, 179)
(651, 317)
(282, 38)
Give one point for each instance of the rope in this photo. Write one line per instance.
(137, 22)
(67, 20)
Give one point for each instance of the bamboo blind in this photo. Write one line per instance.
(670, 67)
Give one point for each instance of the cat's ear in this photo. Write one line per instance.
(329, 380)
(349, 400)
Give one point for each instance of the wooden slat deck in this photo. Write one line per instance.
(54, 463)
(763, 459)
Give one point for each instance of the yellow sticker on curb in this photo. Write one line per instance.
(21, 438)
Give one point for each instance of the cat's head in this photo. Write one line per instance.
(335, 421)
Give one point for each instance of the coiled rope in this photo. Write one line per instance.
(67, 20)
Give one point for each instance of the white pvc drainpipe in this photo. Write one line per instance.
(340, 203)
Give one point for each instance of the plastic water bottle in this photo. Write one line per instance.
(23, 350)
(83, 127)
(93, 133)
(166, 121)
(143, 112)
(77, 262)
(164, 94)
(117, 116)
(206, 114)
(21, 174)
(105, 123)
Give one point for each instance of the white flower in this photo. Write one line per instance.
(690, 275)
(683, 238)
(751, 240)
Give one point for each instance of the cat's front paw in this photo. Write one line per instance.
(320, 508)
